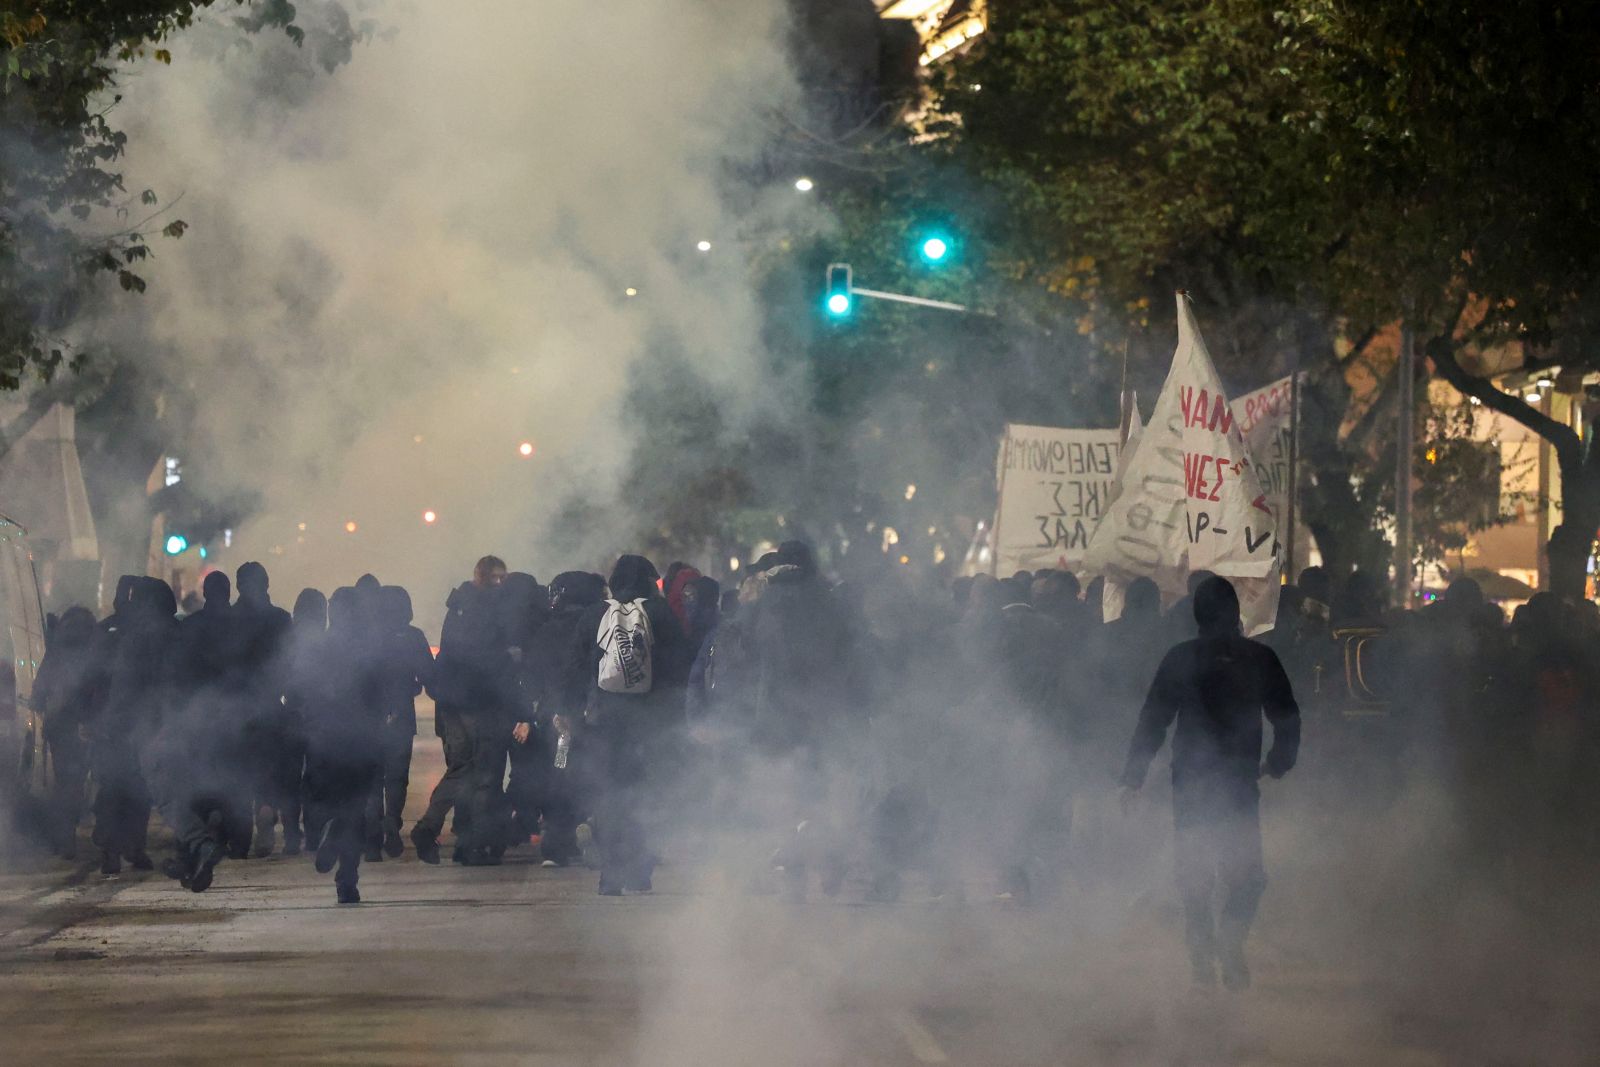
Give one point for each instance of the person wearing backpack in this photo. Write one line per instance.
(637, 660)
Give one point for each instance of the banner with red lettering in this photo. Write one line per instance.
(1054, 486)
(1263, 418)
(1190, 498)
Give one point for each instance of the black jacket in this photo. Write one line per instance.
(1218, 689)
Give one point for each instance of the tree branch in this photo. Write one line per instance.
(1569, 447)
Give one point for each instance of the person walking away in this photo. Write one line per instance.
(405, 665)
(470, 677)
(308, 630)
(261, 629)
(559, 690)
(1217, 688)
(343, 755)
(131, 715)
(68, 691)
(636, 658)
(514, 814)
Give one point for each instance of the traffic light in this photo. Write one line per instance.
(838, 299)
(177, 544)
(936, 247)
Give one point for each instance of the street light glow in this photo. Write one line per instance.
(630, 291)
(350, 527)
(526, 449)
(429, 517)
(804, 185)
(704, 246)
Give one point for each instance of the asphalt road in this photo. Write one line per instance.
(524, 965)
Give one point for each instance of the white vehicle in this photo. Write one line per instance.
(22, 747)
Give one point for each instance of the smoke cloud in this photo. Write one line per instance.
(399, 271)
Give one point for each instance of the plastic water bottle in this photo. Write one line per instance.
(563, 749)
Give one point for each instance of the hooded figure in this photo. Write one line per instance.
(679, 578)
(474, 689)
(634, 732)
(138, 659)
(343, 755)
(261, 631)
(1217, 688)
(67, 691)
(304, 660)
(404, 669)
(558, 691)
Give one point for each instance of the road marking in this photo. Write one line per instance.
(923, 1045)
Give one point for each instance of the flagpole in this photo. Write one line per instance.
(1293, 508)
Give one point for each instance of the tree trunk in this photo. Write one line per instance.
(1572, 541)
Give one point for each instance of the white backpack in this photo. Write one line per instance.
(625, 641)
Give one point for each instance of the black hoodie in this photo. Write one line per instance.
(634, 578)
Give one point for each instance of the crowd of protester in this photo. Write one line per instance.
(892, 724)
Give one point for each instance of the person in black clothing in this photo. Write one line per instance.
(343, 757)
(405, 668)
(558, 691)
(1217, 687)
(471, 689)
(137, 658)
(259, 632)
(630, 731)
(190, 757)
(308, 630)
(524, 605)
(67, 691)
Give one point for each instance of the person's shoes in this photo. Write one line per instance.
(610, 889)
(175, 869)
(373, 854)
(1235, 972)
(266, 820)
(327, 850)
(549, 863)
(427, 847)
(206, 858)
(110, 862)
(349, 894)
(393, 844)
(141, 861)
(459, 855)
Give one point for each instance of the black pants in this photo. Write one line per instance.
(122, 799)
(488, 823)
(339, 780)
(1219, 847)
(459, 733)
(69, 764)
(386, 804)
(526, 791)
(622, 746)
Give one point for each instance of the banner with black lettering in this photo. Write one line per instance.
(1054, 486)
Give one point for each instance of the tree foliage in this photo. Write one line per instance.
(66, 217)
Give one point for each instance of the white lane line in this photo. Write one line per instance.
(923, 1046)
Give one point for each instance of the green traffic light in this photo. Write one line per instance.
(935, 249)
(839, 304)
(177, 545)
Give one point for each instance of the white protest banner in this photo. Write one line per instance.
(1263, 418)
(1190, 499)
(1054, 486)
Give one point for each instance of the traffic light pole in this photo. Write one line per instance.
(901, 298)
